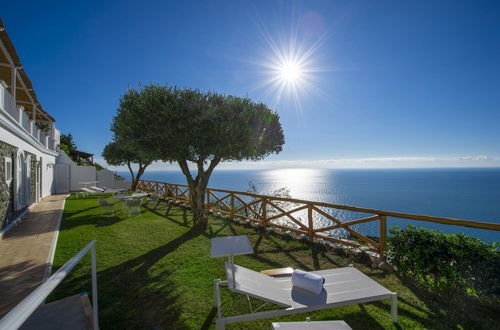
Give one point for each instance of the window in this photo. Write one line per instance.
(8, 169)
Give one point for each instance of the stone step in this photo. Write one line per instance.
(73, 312)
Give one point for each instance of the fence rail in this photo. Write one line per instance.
(308, 218)
(22, 311)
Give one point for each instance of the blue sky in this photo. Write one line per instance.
(396, 83)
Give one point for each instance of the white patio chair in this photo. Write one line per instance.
(97, 189)
(133, 206)
(105, 190)
(342, 287)
(155, 199)
(106, 206)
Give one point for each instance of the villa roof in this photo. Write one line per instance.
(25, 94)
(80, 153)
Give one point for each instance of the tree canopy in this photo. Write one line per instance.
(186, 125)
(117, 154)
(67, 143)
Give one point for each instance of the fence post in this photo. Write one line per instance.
(232, 206)
(156, 187)
(264, 213)
(383, 233)
(310, 222)
(207, 202)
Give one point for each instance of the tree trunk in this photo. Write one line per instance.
(134, 182)
(197, 189)
(133, 185)
(200, 218)
(135, 178)
(140, 172)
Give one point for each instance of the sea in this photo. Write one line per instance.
(462, 193)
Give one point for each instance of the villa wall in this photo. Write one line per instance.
(69, 175)
(47, 158)
(76, 173)
(107, 179)
(81, 174)
(6, 188)
(16, 146)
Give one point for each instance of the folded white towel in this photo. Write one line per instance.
(307, 281)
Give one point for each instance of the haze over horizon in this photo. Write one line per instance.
(357, 85)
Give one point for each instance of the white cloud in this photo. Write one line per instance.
(373, 162)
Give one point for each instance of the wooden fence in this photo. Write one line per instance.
(311, 219)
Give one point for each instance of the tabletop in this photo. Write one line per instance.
(230, 246)
(136, 195)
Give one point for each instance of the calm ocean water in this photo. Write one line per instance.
(472, 194)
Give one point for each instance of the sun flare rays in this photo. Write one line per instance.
(290, 67)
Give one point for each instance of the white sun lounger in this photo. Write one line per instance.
(85, 191)
(96, 188)
(343, 286)
(105, 190)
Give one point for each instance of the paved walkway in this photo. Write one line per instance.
(25, 249)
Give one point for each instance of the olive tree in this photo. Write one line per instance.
(117, 154)
(199, 129)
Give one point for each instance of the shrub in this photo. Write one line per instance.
(440, 260)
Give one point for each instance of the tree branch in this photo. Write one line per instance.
(185, 170)
(201, 171)
(130, 169)
(213, 163)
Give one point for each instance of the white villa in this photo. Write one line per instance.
(28, 138)
(31, 164)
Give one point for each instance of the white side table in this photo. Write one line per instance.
(230, 246)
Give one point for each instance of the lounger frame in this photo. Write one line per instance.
(222, 321)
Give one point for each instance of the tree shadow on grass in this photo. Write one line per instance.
(315, 259)
(365, 318)
(70, 214)
(171, 214)
(134, 294)
(210, 319)
(287, 252)
(96, 220)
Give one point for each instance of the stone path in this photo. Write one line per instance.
(25, 249)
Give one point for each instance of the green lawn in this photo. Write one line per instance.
(154, 272)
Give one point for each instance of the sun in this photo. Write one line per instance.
(290, 72)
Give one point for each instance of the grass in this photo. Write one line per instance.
(154, 272)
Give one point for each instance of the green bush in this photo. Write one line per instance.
(439, 260)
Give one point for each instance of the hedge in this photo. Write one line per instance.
(445, 261)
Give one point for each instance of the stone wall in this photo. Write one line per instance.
(6, 191)
(33, 168)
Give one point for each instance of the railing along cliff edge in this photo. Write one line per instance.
(266, 210)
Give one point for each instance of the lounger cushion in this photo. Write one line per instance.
(307, 281)
(98, 189)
